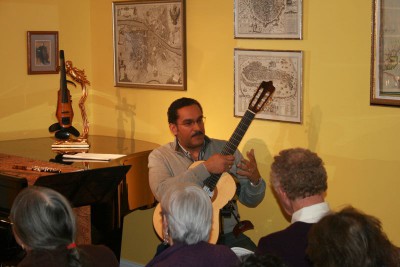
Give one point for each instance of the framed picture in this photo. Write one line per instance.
(150, 44)
(260, 19)
(385, 54)
(283, 68)
(42, 52)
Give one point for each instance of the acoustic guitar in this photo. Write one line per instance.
(221, 187)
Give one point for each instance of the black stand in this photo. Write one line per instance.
(97, 188)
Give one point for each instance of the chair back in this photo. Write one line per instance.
(136, 192)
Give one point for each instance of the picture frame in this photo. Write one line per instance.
(284, 69)
(385, 54)
(257, 20)
(150, 44)
(42, 54)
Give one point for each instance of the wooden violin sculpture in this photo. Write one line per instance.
(63, 128)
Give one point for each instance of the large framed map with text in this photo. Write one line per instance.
(150, 44)
(283, 68)
(385, 54)
(268, 19)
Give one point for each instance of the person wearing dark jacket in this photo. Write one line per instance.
(299, 181)
(44, 225)
(187, 216)
(351, 238)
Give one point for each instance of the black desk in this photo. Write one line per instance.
(107, 218)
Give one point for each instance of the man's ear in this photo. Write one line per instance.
(282, 194)
(286, 203)
(173, 128)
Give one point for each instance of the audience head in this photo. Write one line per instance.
(178, 104)
(42, 219)
(350, 238)
(298, 174)
(187, 214)
(264, 260)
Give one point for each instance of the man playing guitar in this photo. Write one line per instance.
(170, 164)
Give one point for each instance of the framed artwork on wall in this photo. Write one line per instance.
(385, 54)
(42, 52)
(150, 44)
(272, 19)
(283, 68)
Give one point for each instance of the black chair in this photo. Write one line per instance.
(10, 252)
(97, 188)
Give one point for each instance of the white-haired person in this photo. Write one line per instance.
(187, 218)
(44, 225)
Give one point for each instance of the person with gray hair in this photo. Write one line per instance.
(187, 217)
(44, 225)
(351, 238)
(299, 181)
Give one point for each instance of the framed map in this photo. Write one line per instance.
(283, 68)
(268, 19)
(385, 54)
(150, 44)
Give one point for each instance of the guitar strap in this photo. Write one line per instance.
(241, 226)
(225, 212)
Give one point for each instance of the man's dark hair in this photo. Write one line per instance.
(351, 238)
(180, 103)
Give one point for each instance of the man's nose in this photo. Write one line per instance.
(196, 125)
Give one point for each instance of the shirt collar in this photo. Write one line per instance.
(311, 214)
(180, 148)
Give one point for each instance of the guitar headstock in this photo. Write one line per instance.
(261, 96)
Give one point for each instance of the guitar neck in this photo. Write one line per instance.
(231, 146)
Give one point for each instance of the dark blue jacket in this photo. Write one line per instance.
(201, 254)
(289, 244)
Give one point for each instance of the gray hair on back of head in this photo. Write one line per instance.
(42, 218)
(188, 210)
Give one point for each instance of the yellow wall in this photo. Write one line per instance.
(28, 102)
(358, 142)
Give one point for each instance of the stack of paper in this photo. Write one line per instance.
(242, 253)
(92, 156)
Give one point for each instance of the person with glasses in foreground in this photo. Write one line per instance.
(169, 164)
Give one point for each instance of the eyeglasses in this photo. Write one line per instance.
(190, 123)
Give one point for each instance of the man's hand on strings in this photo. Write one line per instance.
(218, 163)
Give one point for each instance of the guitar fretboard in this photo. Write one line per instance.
(231, 146)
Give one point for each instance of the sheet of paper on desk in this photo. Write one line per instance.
(92, 156)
